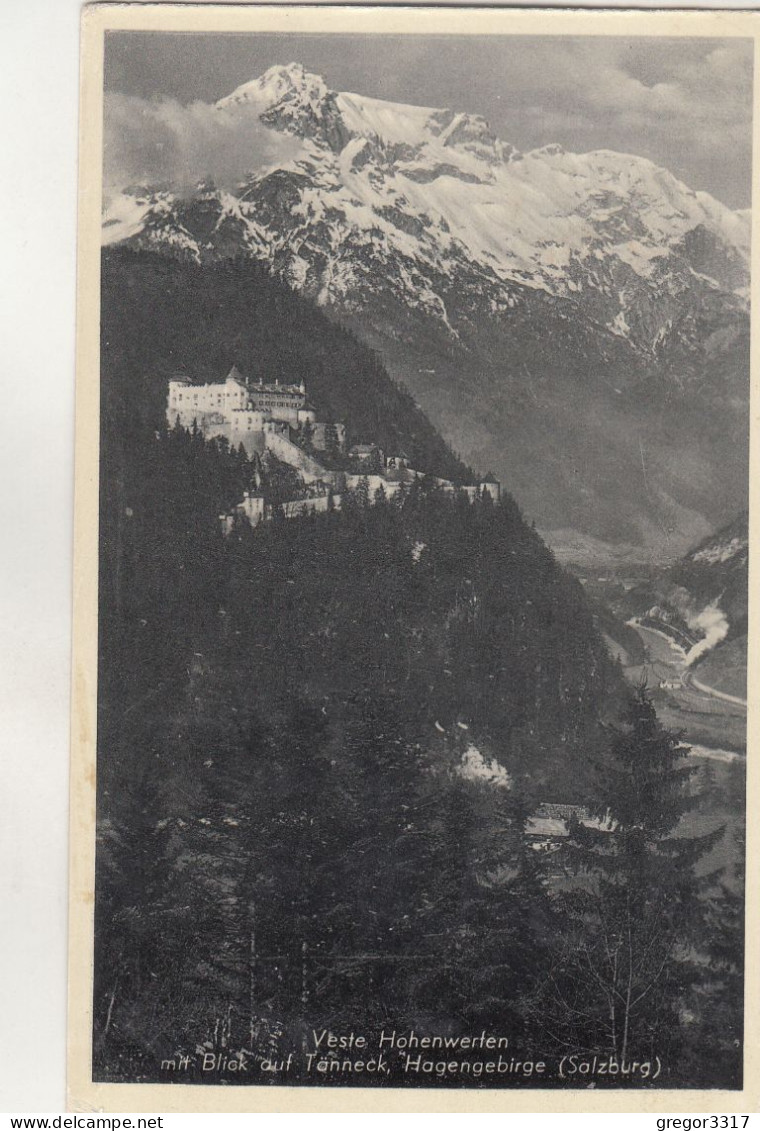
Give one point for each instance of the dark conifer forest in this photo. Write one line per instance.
(319, 742)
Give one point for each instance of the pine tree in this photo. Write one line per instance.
(375, 462)
(630, 907)
(332, 445)
(716, 1004)
(483, 906)
(361, 493)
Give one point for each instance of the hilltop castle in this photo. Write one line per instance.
(247, 413)
(275, 418)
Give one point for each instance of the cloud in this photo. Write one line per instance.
(163, 142)
(686, 105)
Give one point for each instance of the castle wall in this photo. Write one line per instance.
(290, 453)
(491, 487)
(286, 415)
(255, 510)
(252, 439)
(393, 484)
(192, 401)
(247, 427)
(374, 482)
(319, 505)
(247, 420)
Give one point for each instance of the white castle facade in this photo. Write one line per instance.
(270, 417)
(246, 413)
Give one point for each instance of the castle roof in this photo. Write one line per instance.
(274, 387)
(235, 375)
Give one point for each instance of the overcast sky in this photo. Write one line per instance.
(684, 103)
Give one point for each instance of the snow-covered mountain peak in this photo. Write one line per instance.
(291, 99)
(278, 82)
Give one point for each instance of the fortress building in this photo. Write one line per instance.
(275, 418)
(246, 413)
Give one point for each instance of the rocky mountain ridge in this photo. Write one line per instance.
(435, 188)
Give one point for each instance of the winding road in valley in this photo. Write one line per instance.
(690, 681)
(700, 709)
(667, 664)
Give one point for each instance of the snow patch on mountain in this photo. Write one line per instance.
(276, 84)
(392, 122)
(474, 767)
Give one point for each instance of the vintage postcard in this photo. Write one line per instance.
(412, 623)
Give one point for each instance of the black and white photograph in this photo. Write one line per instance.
(423, 445)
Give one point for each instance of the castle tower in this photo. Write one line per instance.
(235, 375)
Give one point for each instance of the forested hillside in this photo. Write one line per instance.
(319, 740)
(160, 316)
